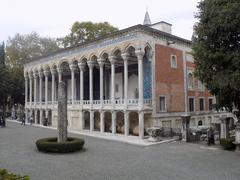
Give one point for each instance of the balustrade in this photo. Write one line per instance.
(130, 102)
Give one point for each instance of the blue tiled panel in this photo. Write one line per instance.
(147, 79)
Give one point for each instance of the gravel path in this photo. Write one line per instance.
(108, 160)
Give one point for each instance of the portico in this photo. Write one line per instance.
(105, 89)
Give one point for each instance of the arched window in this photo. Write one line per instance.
(190, 81)
(173, 61)
(200, 123)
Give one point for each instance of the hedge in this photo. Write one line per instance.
(5, 175)
(51, 145)
(228, 143)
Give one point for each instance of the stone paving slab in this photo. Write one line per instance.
(109, 160)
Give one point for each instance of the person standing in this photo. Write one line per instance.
(31, 120)
(210, 136)
(23, 122)
(22, 118)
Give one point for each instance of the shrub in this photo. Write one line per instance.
(5, 175)
(51, 145)
(228, 143)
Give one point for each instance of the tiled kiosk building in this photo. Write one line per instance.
(131, 79)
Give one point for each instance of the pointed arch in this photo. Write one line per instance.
(116, 49)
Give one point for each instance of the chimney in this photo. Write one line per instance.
(162, 26)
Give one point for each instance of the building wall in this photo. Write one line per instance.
(196, 91)
(169, 81)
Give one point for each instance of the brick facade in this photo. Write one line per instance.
(169, 81)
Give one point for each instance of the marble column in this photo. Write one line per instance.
(40, 74)
(46, 73)
(26, 115)
(81, 66)
(91, 65)
(53, 72)
(41, 117)
(125, 60)
(113, 61)
(102, 121)
(101, 64)
(35, 88)
(59, 70)
(91, 120)
(26, 89)
(73, 69)
(141, 124)
(126, 123)
(223, 134)
(140, 54)
(60, 78)
(62, 112)
(30, 89)
(113, 122)
(35, 117)
(46, 113)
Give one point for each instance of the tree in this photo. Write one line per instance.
(83, 31)
(19, 50)
(23, 48)
(2, 53)
(216, 49)
(5, 89)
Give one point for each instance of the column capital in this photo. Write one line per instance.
(35, 75)
(140, 53)
(81, 66)
(30, 75)
(101, 62)
(59, 70)
(40, 74)
(26, 75)
(53, 71)
(73, 67)
(90, 64)
(46, 73)
(112, 59)
(125, 56)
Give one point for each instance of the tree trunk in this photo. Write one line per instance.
(62, 112)
(3, 115)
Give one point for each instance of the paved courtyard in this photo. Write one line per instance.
(107, 160)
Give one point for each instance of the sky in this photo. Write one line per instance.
(53, 18)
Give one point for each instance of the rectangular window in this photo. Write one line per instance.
(201, 104)
(173, 61)
(191, 104)
(210, 104)
(162, 102)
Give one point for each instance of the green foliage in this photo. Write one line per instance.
(2, 54)
(5, 82)
(17, 92)
(83, 31)
(19, 50)
(5, 175)
(228, 143)
(22, 48)
(216, 44)
(51, 145)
